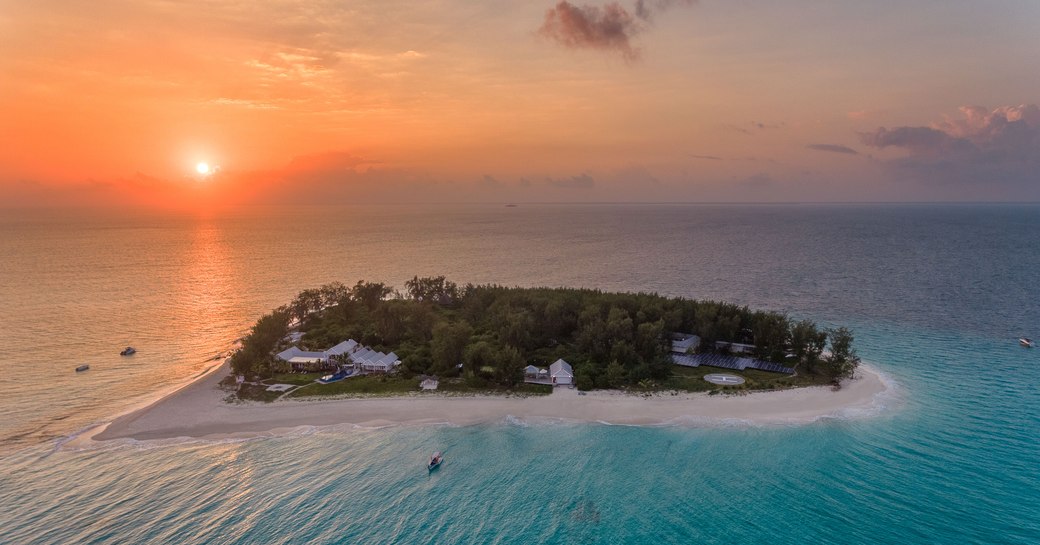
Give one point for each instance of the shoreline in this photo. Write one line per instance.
(197, 410)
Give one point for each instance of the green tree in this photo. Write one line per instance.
(479, 355)
(842, 361)
(254, 359)
(615, 375)
(509, 365)
(390, 321)
(807, 344)
(434, 289)
(448, 344)
(370, 294)
(585, 376)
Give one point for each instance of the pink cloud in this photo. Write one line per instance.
(609, 27)
(982, 146)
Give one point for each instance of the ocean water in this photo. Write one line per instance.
(937, 296)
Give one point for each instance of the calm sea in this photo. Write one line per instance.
(937, 296)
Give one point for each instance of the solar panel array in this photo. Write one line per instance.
(772, 367)
(728, 362)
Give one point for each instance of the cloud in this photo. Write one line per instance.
(982, 146)
(922, 141)
(834, 148)
(645, 9)
(609, 27)
(583, 181)
(756, 126)
(710, 157)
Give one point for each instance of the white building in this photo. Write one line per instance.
(345, 347)
(561, 372)
(682, 343)
(376, 362)
(299, 358)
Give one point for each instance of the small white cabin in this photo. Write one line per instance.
(561, 372)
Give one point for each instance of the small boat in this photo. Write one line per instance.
(435, 461)
(82, 368)
(128, 351)
(1028, 343)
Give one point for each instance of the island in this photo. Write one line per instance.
(438, 352)
(371, 338)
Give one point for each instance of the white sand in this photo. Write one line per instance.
(198, 410)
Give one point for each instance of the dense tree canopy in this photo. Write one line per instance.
(488, 333)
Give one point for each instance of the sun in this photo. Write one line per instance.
(202, 168)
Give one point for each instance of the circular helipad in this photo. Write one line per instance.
(724, 379)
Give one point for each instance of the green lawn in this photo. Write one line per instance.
(364, 385)
(688, 379)
(459, 386)
(691, 379)
(299, 379)
(383, 385)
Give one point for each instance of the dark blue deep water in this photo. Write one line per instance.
(936, 295)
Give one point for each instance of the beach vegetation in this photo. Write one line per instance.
(255, 358)
(842, 361)
(256, 392)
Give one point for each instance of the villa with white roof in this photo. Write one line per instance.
(560, 372)
(301, 359)
(363, 358)
(375, 362)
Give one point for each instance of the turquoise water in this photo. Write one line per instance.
(936, 296)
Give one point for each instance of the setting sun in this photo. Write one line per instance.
(202, 168)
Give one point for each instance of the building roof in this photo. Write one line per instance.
(382, 363)
(295, 352)
(342, 348)
(362, 356)
(531, 370)
(305, 359)
(561, 368)
(288, 353)
(683, 342)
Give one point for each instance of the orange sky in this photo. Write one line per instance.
(530, 101)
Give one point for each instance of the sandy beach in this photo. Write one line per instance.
(198, 410)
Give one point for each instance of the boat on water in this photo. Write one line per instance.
(435, 461)
(1028, 343)
(128, 351)
(82, 368)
